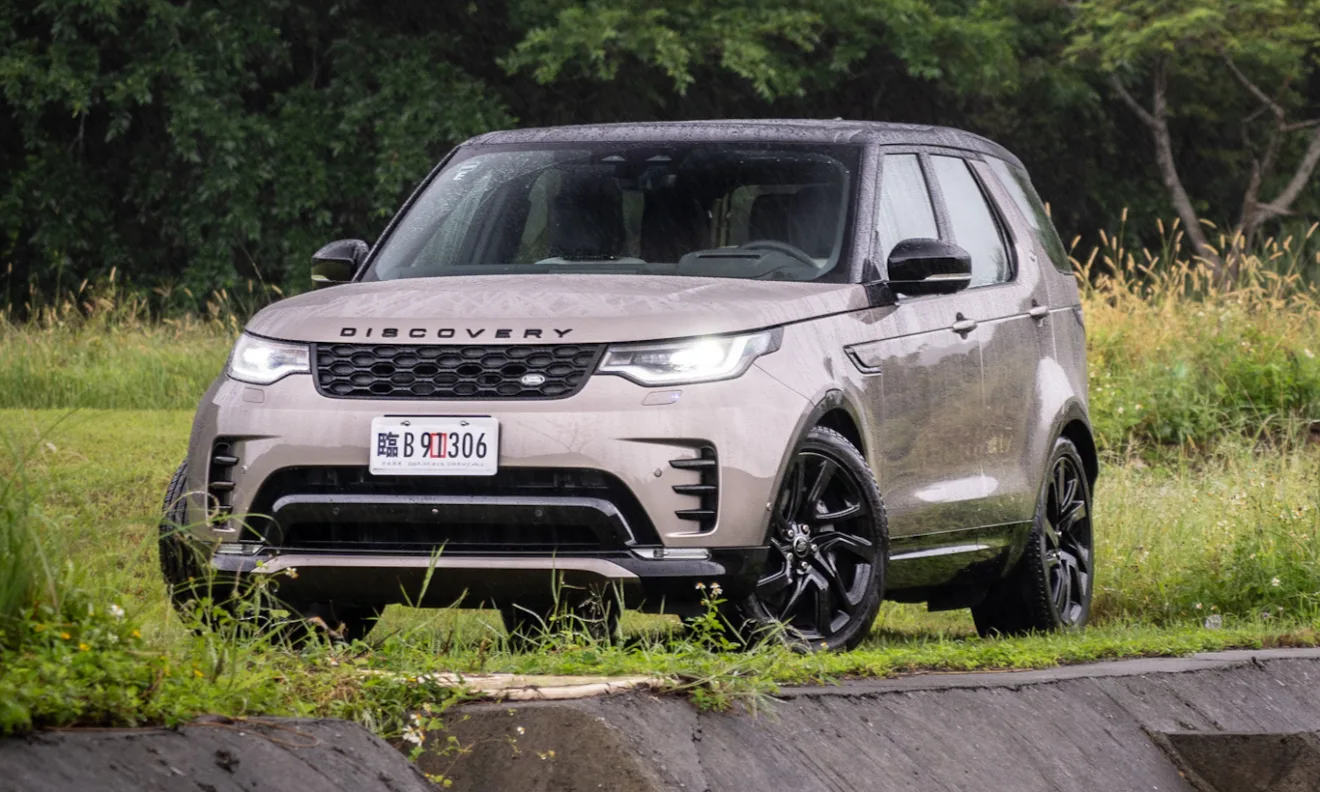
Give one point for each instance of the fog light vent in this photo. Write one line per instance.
(220, 481)
(706, 490)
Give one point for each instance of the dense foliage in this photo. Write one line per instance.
(201, 143)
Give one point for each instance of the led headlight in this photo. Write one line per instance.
(691, 360)
(261, 361)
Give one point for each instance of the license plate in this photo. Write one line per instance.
(434, 446)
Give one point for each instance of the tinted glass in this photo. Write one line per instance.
(1018, 185)
(974, 227)
(718, 210)
(905, 209)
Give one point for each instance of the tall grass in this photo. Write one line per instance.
(105, 346)
(26, 574)
(1178, 359)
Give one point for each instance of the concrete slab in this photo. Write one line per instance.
(275, 754)
(1105, 726)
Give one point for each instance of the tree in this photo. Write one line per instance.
(1192, 49)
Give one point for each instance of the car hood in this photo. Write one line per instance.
(546, 308)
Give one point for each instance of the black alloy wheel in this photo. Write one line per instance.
(829, 546)
(1051, 587)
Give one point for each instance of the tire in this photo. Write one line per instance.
(829, 549)
(1051, 587)
(594, 615)
(179, 561)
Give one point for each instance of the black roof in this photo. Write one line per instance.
(796, 130)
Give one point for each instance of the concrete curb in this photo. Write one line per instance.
(1128, 725)
(214, 755)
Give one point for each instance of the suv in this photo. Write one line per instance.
(816, 362)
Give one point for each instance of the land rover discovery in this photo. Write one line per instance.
(815, 362)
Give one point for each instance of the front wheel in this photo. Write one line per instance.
(1051, 586)
(829, 546)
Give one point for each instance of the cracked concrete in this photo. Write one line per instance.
(1128, 725)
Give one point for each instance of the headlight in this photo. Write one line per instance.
(261, 361)
(691, 360)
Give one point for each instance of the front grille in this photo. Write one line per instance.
(540, 484)
(477, 371)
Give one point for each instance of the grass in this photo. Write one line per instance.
(1205, 400)
(1212, 530)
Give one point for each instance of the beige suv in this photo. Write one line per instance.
(816, 362)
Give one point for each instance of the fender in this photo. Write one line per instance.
(833, 399)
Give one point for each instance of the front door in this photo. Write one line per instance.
(928, 357)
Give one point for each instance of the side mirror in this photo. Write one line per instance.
(929, 266)
(338, 262)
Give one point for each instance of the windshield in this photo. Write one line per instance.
(775, 212)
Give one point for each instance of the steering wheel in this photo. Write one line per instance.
(780, 247)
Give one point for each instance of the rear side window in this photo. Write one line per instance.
(905, 208)
(973, 224)
(1018, 185)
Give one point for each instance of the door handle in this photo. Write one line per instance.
(1038, 312)
(964, 325)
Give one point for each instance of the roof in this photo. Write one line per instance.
(798, 130)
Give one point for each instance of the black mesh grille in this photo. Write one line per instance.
(538, 483)
(478, 371)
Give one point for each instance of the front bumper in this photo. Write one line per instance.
(654, 584)
(646, 438)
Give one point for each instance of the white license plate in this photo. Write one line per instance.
(435, 446)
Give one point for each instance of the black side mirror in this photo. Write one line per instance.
(338, 262)
(928, 266)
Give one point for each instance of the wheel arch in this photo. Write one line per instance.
(1079, 433)
(833, 411)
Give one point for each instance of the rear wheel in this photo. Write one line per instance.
(829, 546)
(1051, 586)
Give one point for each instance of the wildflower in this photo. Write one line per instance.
(116, 611)
(82, 647)
(715, 589)
(291, 573)
(701, 586)
(1308, 353)
(65, 636)
(197, 673)
(1120, 410)
(1276, 582)
(413, 735)
(38, 627)
(521, 730)
(137, 633)
(1198, 606)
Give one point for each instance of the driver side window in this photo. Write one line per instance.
(905, 207)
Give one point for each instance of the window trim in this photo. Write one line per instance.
(1006, 237)
(878, 267)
